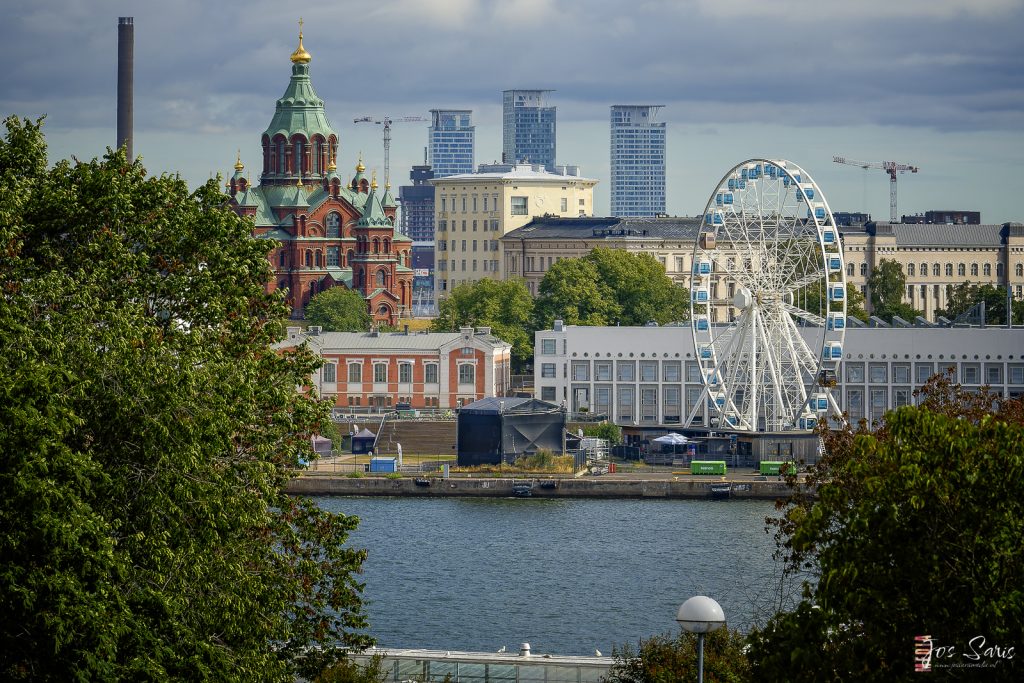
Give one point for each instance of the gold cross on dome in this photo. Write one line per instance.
(300, 23)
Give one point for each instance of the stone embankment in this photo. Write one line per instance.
(583, 487)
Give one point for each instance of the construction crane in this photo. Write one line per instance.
(890, 167)
(386, 121)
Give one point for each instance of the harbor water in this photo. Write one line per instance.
(567, 576)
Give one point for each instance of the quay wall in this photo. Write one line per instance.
(590, 487)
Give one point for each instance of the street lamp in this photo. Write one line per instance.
(700, 614)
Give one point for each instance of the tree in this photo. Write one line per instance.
(887, 284)
(610, 287)
(961, 297)
(812, 299)
(148, 433)
(915, 530)
(663, 659)
(504, 306)
(339, 309)
(605, 430)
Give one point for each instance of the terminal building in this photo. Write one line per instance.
(648, 379)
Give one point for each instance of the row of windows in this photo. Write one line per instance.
(488, 245)
(442, 226)
(465, 206)
(937, 269)
(488, 265)
(467, 373)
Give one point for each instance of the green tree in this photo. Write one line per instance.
(339, 309)
(504, 306)
(148, 433)
(915, 530)
(812, 299)
(573, 291)
(663, 659)
(887, 284)
(610, 287)
(961, 297)
(605, 430)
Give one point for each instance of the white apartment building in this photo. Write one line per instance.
(649, 377)
(474, 210)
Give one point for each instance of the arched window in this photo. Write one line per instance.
(999, 270)
(382, 278)
(1019, 270)
(924, 269)
(910, 270)
(987, 269)
(299, 156)
(384, 312)
(961, 270)
(314, 159)
(280, 259)
(863, 269)
(309, 259)
(849, 269)
(376, 245)
(387, 246)
(936, 270)
(348, 258)
(333, 224)
(281, 165)
(974, 270)
(319, 258)
(949, 270)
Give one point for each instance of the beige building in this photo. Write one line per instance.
(473, 211)
(932, 256)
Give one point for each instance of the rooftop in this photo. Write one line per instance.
(533, 172)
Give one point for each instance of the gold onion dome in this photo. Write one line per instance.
(373, 183)
(300, 56)
(359, 167)
(238, 161)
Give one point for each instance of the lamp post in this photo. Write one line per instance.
(700, 614)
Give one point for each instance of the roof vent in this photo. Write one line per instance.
(294, 332)
(559, 326)
(524, 650)
(483, 330)
(315, 330)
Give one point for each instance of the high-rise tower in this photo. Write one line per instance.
(528, 128)
(451, 142)
(637, 161)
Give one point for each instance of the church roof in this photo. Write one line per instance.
(373, 213)
(300, 109)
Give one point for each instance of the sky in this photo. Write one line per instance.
(938, 84)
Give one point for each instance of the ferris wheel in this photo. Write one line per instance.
(767, 300)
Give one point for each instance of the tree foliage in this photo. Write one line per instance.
(609, 287)
(812, 299)
(961, 297)
(339, 309)
(604, 430)
(916, 530)
(887, 284)
(663, 659)
(504, 306)
(148, 432)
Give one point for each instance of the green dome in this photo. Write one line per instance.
(299, 110)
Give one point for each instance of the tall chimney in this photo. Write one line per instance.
(125, 75)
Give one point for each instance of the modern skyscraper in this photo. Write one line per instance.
(417, 202)
(637, 161)
(528, 128)
(451, 141)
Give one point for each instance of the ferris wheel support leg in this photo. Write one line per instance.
(836, 410)
(773, 368)
(734, 366)
(702, 400)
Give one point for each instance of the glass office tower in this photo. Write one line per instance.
(637, 161)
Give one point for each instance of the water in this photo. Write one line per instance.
(567, 576)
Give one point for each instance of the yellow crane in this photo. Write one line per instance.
(386, 121)
(890, 167)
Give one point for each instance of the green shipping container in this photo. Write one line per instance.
(775, 467)
(707, 467)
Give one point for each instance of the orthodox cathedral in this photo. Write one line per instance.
(332, 232)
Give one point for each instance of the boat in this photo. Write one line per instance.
(721, 491)
(522, 490)
(421, 481)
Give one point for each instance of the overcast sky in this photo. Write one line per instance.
(935, 83)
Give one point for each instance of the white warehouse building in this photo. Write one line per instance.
(648, 378)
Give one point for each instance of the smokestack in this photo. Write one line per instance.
(125, 76)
